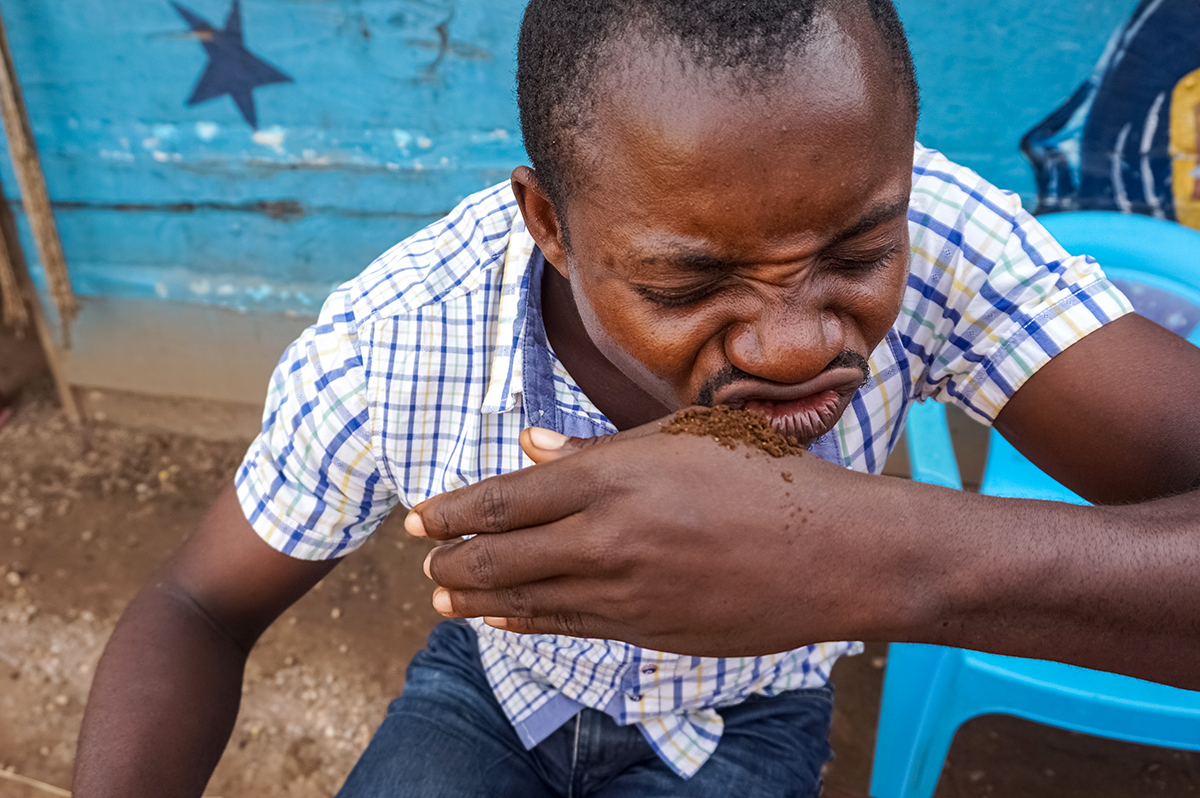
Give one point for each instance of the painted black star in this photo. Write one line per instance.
(231, 69)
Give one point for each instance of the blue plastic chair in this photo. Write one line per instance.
(929, 691)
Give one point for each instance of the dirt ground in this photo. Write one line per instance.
(86, 515)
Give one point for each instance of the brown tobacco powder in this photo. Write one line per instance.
(731, 427)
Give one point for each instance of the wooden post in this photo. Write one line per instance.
(33, 191)
(26, 293)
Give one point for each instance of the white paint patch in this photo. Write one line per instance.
(201, 287)
(150, 143)
(160, 290)
(499, 134)
(116, 155)
(160, 156)
(403, 139)
(165, 131)
(226, 290)
(271, 137)
(424, 142)
(207, 131)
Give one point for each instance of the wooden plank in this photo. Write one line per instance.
(36, 200)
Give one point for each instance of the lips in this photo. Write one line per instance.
(805, 411)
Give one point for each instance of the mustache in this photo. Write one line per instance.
(730, 374)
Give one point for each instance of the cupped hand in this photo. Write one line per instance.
(670, 542)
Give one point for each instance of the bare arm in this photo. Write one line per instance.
(168, 686)
(677, 544)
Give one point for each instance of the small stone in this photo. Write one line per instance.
(335, 613)
(976, 776)
(292, 621)
(289, 661)
(878, 662)
(343, 648)
(87, 535)
(13, 578)
(61, 700)
(44, 750)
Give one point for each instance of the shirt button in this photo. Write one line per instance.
(635, 696)
(649, 670)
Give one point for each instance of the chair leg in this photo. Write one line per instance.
(914, 733)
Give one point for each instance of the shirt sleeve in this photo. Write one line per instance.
(998, 296)
(310, 484)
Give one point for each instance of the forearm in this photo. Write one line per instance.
(1112, 588)
(163, 703)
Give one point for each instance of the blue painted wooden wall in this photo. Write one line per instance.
(392, 111)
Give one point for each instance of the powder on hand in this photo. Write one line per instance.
(731, 427)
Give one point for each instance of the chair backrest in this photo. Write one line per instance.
(1155, 262)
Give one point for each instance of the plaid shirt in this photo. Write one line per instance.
(421, 372)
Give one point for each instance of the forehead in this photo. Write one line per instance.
(683, 147)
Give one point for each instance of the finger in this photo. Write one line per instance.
(571, 624)
(552, 602)
(520, 557)
(525, 498)
(543, 445)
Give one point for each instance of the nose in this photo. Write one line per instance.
(786, 339)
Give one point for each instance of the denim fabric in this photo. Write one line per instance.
(447, 737)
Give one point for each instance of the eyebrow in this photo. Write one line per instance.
(872, 219)
(709, 264)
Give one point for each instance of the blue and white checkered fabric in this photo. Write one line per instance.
(417, 378)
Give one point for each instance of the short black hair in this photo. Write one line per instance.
(561, 47)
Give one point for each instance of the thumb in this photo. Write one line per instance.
(543, 445)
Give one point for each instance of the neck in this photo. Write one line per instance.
(615, 395)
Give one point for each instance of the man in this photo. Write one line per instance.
(726, 207)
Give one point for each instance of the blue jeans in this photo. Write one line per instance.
(447, 737)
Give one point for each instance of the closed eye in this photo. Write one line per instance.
(676, 299)
(865, 266)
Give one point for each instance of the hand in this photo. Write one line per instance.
(671, 542)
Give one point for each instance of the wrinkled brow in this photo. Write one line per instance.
(710, 264)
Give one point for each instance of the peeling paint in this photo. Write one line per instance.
(271, 137)
(279, 210)
(207, 131)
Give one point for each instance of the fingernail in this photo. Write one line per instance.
(546, 439)
(441, 601)
(498, 623)
(425, 567)
(414, 526)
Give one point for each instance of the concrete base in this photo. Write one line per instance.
(177, 349)
(176, 367)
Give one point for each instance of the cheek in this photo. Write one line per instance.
(874, 304)
(631, 332)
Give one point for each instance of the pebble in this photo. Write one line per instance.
(335, 613)
(61, 700)
(13, 578)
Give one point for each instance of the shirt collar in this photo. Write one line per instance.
(507, 368)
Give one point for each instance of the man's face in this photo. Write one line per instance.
(746, 248)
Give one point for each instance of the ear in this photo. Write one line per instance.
(540, 217)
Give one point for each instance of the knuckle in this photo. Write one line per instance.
(481, 567)
(517, 602)
(571, 624)
(493, 507)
